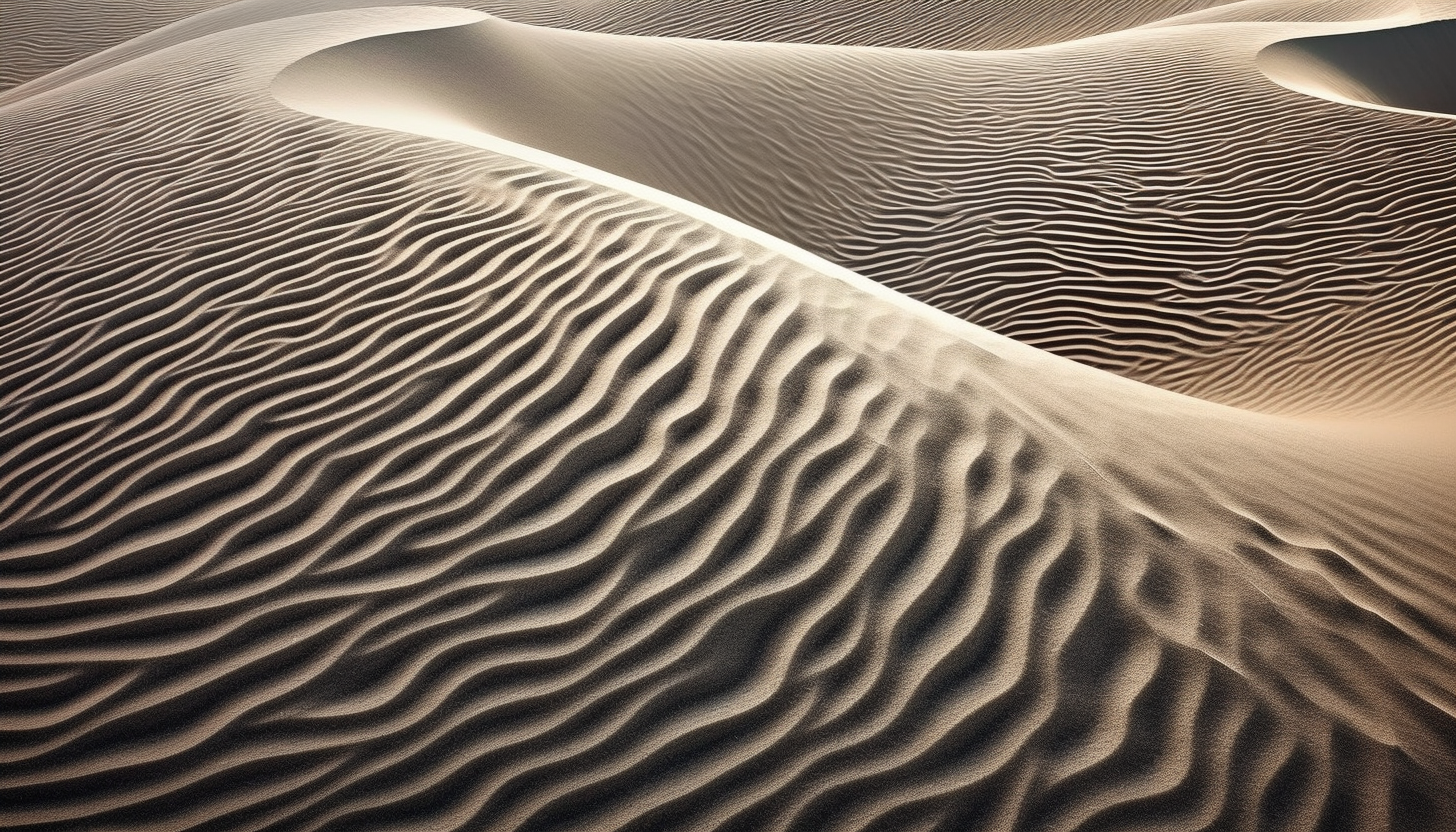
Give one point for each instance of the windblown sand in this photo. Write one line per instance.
(669, 416)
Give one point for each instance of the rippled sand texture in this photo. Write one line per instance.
(363, 465)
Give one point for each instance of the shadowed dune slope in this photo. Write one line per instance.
(1146, 203)
(351, 479)
(1409, 68)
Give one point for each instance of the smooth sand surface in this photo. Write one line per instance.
(1404, 69)
(416, 419)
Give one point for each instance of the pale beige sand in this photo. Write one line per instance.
(353, 478)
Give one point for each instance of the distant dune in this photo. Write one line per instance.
(1407, 68)
(665, 416)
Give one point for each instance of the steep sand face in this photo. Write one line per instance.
(397, 476)
(1409, 68)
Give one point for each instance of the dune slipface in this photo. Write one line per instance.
(1407, 68)
(412, 418)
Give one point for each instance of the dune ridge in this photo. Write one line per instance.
(40, 36)
(44, 36)
(354, 478)
(1147, 238)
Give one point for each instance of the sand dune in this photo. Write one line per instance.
(1145, 238)
(45, 36)
(413, 419)
(40, 36)
(1403, 69)
(1105, 217)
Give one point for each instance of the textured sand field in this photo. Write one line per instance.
(742, 416)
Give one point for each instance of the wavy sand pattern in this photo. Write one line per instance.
(426, 418)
